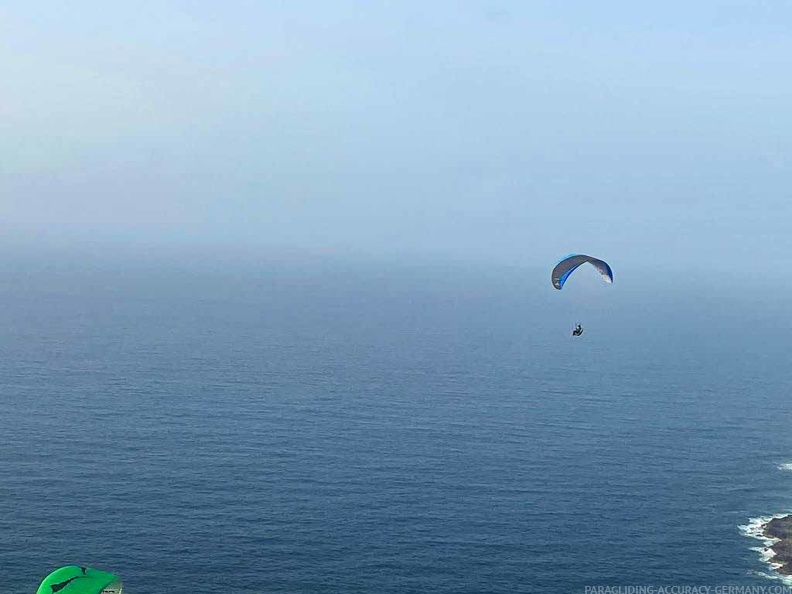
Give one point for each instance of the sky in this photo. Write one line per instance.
(502, 131)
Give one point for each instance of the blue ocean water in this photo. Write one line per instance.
(331, 427)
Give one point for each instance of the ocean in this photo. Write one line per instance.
(313, 425)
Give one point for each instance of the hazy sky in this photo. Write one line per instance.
(515, 131)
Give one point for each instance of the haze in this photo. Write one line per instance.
(498, 131)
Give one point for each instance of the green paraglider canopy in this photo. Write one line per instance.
(74, 579)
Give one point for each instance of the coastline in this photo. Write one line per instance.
(778, 531)
(775, 532)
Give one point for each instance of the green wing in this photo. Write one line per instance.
(74, 579)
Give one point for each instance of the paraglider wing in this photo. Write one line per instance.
(569, 264)
(74, 579)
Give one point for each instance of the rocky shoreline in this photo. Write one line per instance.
(779, 530)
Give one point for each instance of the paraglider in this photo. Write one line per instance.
(568, 265)
(74, 579)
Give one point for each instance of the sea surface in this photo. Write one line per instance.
(378, 427)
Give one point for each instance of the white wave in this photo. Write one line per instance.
(785, 579)
(755, 528)
(785, 466)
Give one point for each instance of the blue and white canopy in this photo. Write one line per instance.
(569, 264)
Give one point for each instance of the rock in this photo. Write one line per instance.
(781, 529)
